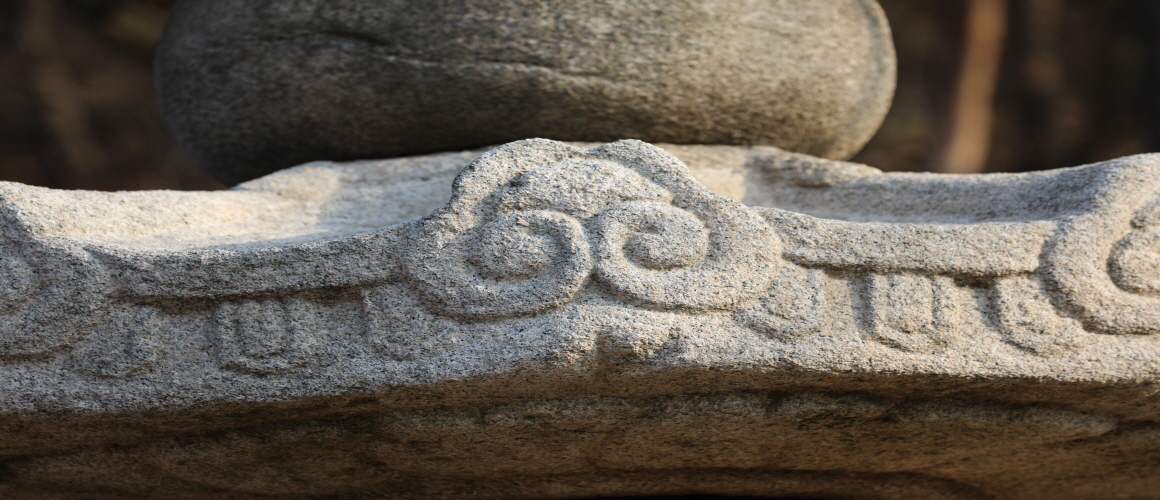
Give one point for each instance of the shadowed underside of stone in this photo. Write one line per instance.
(582, 320)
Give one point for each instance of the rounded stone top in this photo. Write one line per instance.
(249, 87)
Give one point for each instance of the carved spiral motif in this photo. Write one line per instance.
(645, 250)
(519, 263)
(1104, 265)
(664, 256)
(515, 246)
(514, 239)
(1135, 261)
(44, 307)
(649, 235)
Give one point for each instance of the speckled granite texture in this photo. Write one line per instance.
(583, 320)
(249, 87)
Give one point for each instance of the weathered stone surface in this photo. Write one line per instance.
(252, 86)
(587, 322)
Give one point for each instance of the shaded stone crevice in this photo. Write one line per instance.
(394, 54)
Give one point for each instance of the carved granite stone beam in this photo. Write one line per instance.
(587, 320)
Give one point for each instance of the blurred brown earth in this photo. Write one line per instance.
(77, 107)
(1077, 83)
(994, 85)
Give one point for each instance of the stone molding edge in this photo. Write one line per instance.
(532, 224)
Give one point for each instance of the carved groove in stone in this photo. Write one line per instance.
(212, 273)
(1027, 319)
(267, 336)
(912, 312)
(950, 249)
(125, 344)
(49, 297)
(1135, 260)
(794, 306)
(397, 324)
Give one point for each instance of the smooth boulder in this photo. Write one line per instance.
(249, 87)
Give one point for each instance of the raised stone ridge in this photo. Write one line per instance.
(567, 293)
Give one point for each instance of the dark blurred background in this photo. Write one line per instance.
(983, 86)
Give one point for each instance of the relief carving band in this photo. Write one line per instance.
(533, 225)
(542, 267)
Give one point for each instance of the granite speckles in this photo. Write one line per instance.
(249, 87)
(580, 320)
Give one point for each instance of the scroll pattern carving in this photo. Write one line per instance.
(536, 225)
(1135, 259)
(659, 255)
(517, 264)
(513, 241)
(1103, 266)
(48, 297)
(519, 237)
